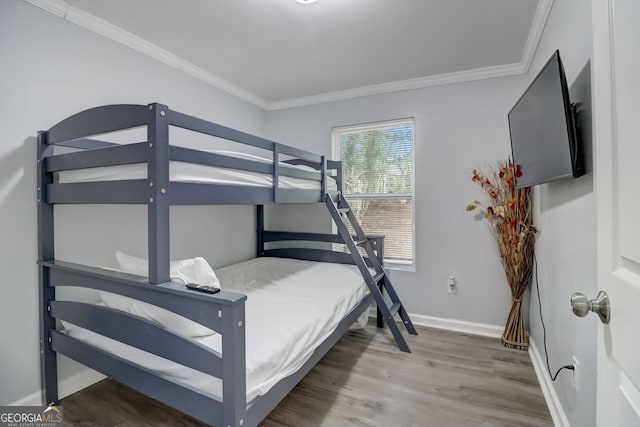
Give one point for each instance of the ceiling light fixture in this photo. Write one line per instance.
(306, 1)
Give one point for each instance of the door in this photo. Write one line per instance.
(616, 85)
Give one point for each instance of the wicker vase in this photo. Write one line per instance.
(510, 215)
(514, 335)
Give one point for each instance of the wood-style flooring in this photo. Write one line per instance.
(450, 379)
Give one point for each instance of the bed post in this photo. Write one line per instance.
(339, 177)
(379, 247)
(234, 371)
(158, 203)
(337, 166)
(48, 364)
(276, 172)
(323, 177)
(260, 230)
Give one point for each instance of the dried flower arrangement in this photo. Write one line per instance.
(510, 216)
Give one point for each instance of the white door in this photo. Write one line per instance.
(616, 84)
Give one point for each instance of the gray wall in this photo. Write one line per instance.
(457, 128)
(566, 247)
(51, 69)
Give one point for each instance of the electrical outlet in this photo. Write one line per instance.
(451, 285)
(576, 373)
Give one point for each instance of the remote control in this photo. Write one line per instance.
(203, 288)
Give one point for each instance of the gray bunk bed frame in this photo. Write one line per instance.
(222, 312)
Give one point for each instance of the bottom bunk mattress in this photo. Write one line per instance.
(292, 307)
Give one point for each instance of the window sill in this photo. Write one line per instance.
(410, 267)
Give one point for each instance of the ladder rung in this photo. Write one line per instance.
(371, 279)
(395, 308)
(378, 277)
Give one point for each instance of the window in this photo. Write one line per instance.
(377, 164)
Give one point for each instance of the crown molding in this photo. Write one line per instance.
(535, 33)
(97, 25)
(421, 82)
(93, 23)
(57, 7)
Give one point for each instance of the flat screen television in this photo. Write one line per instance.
(542, 128)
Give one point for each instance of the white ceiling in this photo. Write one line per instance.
(279, 53)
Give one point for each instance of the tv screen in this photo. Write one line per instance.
(541, 124)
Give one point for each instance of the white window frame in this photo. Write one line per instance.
(336, 153)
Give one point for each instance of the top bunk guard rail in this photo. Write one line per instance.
(300, 154)
(190, 155)
(336, 165)
(86, 144)
(195, 124)
(99, 120)
(306, 156)
(100, 157)
(157, 188)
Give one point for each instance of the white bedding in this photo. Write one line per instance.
(191, 172)
(292, 307)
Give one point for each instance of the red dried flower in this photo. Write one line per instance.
(508, 210)
(518, 171)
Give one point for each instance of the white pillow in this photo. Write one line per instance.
(195, 270)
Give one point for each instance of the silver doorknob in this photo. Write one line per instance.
(582, 305)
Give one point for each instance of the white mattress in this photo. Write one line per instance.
(191, 172)
(292, 307)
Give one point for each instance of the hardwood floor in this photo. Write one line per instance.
(450, 379)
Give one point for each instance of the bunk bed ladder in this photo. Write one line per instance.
(338, 212)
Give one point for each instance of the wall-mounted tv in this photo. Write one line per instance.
(543, 132)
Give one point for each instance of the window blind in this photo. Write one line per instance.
(378, 180)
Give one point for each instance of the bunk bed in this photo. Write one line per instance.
(158, 174)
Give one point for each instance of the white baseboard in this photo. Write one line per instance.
(77, 382)
(550, 396)
(484, 329)
(66, 387)
(34, 399)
